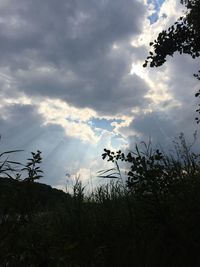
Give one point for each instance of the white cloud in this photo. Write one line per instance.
(73, 120)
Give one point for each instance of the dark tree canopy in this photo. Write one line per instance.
(183, 37)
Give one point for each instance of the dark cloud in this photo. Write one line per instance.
(110, 95)
(164, 127)
(182, 84)
(154, 126)
(68, 29)
(74, 39)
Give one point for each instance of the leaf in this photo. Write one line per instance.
(109, 177)
(105, 171)
(14, 162)
(9, 152)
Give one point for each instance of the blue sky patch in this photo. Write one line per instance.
(103, 123)
(157, 4)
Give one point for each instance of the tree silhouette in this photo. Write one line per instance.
(183, 37)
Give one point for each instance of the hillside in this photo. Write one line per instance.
(31, 197)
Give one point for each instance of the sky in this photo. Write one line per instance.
(72, 82)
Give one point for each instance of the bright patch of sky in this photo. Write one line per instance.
(104, 123)
(118, 141)
(156, 4)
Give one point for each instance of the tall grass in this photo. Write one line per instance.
(151, 220)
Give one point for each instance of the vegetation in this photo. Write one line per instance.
(151, 220)
(182, 37)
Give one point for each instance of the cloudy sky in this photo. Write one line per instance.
(72, 81)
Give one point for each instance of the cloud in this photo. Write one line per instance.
(172, 88)
(65, 50)
(163, 128)
(23, 128)
(105, 88)
(72, 82)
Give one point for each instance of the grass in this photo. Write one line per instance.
(151, 220)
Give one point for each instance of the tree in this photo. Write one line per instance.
(183, 37)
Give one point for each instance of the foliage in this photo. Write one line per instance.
(183, 37)
(152, 222)
(13, 169)
(152, 171)
(7, 166)
(32, 167)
